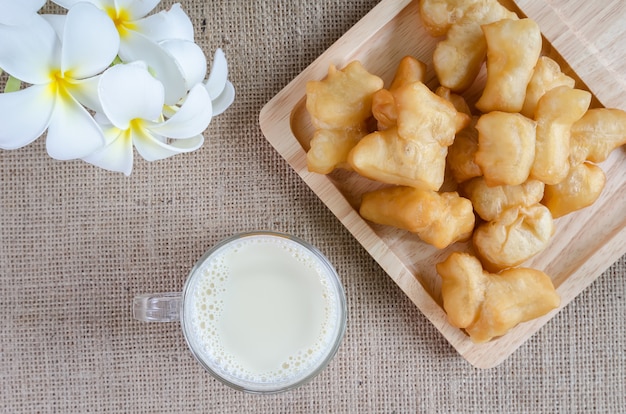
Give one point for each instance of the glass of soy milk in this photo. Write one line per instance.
(263, 312)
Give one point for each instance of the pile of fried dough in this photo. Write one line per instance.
(526, 154)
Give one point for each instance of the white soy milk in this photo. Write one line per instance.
(263, 309)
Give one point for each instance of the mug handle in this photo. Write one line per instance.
(157, 307)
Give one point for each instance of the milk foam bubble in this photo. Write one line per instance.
(263, 309)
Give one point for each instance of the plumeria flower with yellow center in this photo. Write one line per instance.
(62, 74)
(142, 37)
(132, 102)
(15, 12)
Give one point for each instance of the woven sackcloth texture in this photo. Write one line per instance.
(77, 243)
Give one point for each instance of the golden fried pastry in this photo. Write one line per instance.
(439, 219)
(343, 99)
(384, 109)
(461, 154)
(556, 111)
(384, 156)
(457, 59)
(490, 202)
(414, 152)
(409, 70)
(383, 103)
(330, 148)
(581, 188)
(425, 117)
(547, 75)
(460, 104)
(513, 47)
(506, 147)
(596, 134)
(438, 15)
(516, 235)
(488, 305)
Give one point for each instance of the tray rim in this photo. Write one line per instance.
(276, 115)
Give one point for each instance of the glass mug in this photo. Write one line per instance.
(263, 312)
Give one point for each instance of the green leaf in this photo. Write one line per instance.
(13, 85)
(116, 61)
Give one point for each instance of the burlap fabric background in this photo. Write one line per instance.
(77, 243)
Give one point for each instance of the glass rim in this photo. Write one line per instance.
(271, 387)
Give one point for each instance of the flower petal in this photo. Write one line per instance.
(17, 13)
(29, 51)
(219, 74)
(152, 148)
(117, 155)
(192, 118)
(138, 47)
(90, 41)
(190, 59)
(127, 92)
(86, 92)
(167, 24)
(226, 98)
(69, 3)
(189, 144)
(136, 9)
(72, 132)
(57, 21)
(21, 127)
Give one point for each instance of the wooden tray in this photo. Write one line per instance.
(586, 242)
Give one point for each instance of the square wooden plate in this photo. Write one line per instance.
(585, 244)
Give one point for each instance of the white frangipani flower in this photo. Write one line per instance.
(132, 101)
(15, 12)
(141, 37)
(69, 74)
(61, 74)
